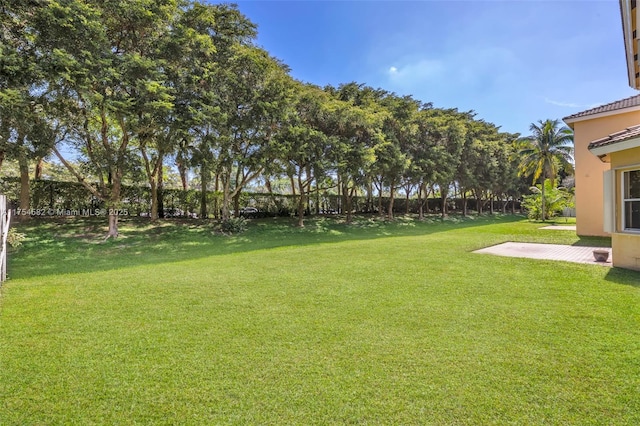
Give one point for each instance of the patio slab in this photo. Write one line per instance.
(560, 227)
(566, 253)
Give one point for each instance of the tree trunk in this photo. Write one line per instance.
(236, 204)
(24, 183)
(406, 210)
(346, 208)
(226, 194)
(216, 198)
(543, 200)
(346, 196)
(182, 170)
(203, 191)
(339, 196)
(420, 201)
(113, 205)
(391, 200)
(113, 226)
(443, 196)
(161, 187)
(380, 209)
(317, 196)
(38, 171)
(307, 189)
(301, 203)
(293, 185)
(464, 203)
(350, 194)
(301, 208)
(369, 196)
(491, 204)
(479, 203)
(154, 198)
(152, 168)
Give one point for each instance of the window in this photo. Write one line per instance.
(631, 200)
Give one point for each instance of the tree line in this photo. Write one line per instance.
(115, 91)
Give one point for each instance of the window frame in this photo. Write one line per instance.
(624, 200)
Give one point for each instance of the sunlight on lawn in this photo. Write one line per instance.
(376, 322)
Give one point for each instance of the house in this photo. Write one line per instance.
(590, 125)
(607, 160)
(621, 182)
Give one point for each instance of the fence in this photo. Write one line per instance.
(5, 217)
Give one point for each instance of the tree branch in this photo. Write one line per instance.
(78, 176)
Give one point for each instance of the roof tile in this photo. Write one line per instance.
(621, 136)
(629, 102)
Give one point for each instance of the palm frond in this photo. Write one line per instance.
(546, 149)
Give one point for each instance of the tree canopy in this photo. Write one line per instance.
(117, 91)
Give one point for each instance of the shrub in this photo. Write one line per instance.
(15, 238)
(234, 225)
(556, 199)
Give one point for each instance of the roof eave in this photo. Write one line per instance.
(605, 150)
(627, 32)
(570, 121)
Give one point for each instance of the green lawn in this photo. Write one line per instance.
(370, 323)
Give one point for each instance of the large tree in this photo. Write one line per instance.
(443, 133)
(25, 135)
(355, 125)
(213, 38)
(479, 166)
(508, 184)
(545, 151)
(392, 155)
(193, 54)
(253, 98)
(301, 146)
(102, 64)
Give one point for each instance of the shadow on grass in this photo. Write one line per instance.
(75, 245)
(593, 242)
(623, 276)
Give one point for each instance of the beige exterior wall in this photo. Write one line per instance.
(589, 169)
(625, 246)
(625, 251)
(629, 158)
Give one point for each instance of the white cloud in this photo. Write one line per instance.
(570, 104)
(410, 74)
(485, 69)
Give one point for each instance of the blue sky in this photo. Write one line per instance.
(513, 62)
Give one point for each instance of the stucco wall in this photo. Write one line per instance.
(627, 158)
(625, 245)
(589, 169)
(625, 250)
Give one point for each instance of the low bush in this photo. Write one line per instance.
(234, 225)
(15, 238)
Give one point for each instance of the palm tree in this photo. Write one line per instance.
(545, 151)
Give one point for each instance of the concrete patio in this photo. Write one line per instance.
(566, 253)
(560, 227)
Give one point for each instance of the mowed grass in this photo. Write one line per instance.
(370, 323)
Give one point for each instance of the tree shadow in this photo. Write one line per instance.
(75, 245)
